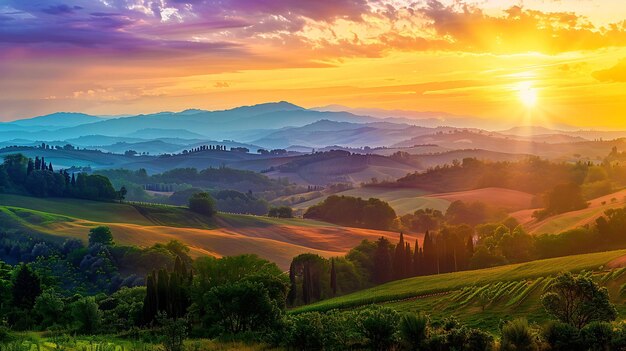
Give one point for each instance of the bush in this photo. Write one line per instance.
(414, 330)
(378, 325)
(562, 337)
(597, 336)
(518, 336)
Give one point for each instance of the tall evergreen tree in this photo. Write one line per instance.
(150, 303)
(382, 261)
(26, 287)
(43, 164)
(162, 285)
(293, 290)
(333, 277)
(398, 259)
(429, 255)
(416, 260)
(50, 167)
(73, 181)
(31, 167)
(408, 261)
(37, 163)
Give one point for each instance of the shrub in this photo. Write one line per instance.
(414, 330)
(518, 336)
(378, 325)
(562, 337)
(597, 336)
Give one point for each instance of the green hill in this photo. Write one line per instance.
(278, 240)
(483, 297)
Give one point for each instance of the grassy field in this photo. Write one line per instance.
(574, 219)
(34, 341)
(278, 240)
(403, 201)
(510, 200)
(413, 292)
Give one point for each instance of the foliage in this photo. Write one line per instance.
(100, 235)
(202, 203)
(351, 211)
(578, 301)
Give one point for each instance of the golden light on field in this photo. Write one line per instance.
(527, 94)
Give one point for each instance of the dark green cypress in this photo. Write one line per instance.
(293, 290)
(150, 304)
(333, 277)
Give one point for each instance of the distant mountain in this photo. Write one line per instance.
(156, 133)
(59, 119)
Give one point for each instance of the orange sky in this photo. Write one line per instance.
(545, 62)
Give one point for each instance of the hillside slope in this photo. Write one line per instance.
(573, 219)
(278, 240)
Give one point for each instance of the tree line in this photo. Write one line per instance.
(19, 174)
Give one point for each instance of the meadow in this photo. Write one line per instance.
(276, 239)
(449, 293)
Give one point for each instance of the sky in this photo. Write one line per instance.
(543, 62)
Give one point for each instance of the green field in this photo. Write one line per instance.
(451, 282)
(403, 201)
(483, 298)
(143, 225)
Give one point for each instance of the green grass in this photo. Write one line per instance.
(421, 286)
(403, 201)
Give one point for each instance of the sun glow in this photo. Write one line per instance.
(527, 94)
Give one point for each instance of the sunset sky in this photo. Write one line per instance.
(534, 61)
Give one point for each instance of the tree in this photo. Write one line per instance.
(26, 287)
(578, 301)
(121, 194)
(281, 212)
(31, 167)
(414, 330)
(241, 306)
(49, 306)
(202, 203)
(399, 267)
(100, 235)
(382, 261)
(333, 277)
(173, 331)
(86, 315)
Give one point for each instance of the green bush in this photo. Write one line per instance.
(379, 326)
(414, 330)
(517, 335)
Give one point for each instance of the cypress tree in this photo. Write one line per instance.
(37, 163)
(416, 260)
(162, 285)
(306, 283)
(26, 288)
(150, 301)
(408, 261)
(333, 277)
(31, 166)
(293, 290)
(43, 164)
(429, 255)
(382, 262)
(73, 181)
(398, 259)
(50, 167)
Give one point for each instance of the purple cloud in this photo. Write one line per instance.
(62, 9)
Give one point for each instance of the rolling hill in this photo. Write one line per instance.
(278, 240)
(409, 200)
(571, 220)
(482, 298)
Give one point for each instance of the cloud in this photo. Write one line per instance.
(616, 73)
(62, 9)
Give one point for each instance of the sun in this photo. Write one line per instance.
(527, 94)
